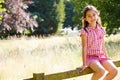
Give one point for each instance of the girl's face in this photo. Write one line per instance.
(91, 17)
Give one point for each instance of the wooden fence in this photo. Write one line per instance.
(65, 75)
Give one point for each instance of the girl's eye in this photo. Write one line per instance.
(93, 14)
(89, 16)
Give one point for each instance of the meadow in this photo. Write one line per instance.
(21, 57)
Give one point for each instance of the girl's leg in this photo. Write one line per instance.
(111, 68)
(98, 70)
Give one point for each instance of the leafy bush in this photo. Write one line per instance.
(16, 20)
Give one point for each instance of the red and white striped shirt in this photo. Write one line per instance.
(94, 40)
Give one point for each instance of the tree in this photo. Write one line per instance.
(16, 19)
(1, 8)
(60, 13)
(109, 13)
(69, 10)
(46, 13)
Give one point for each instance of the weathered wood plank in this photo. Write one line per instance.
(117, 63)
(28, 79)
(38, 76)
(73, 73)
(66, 74)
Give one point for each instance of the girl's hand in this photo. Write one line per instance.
(82, 68)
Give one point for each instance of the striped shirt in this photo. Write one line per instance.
(94, 40)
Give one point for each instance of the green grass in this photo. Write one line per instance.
(21, 57)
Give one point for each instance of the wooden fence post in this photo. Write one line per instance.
(38, 76)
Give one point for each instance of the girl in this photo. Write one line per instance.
(93, 50)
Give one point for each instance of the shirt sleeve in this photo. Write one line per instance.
(103, 30)
(83, 32)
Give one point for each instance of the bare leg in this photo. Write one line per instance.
(98, 70)
(111, 68)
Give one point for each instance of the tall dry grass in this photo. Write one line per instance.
(21, 57)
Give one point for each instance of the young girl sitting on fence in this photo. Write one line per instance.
(93, 50)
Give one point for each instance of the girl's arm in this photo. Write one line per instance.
(84, 47)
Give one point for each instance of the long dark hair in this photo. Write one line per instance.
(85, 23)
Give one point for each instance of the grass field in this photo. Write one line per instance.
(21, 57)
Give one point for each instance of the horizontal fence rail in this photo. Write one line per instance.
(65, 75)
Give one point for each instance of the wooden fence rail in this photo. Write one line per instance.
(65, 75)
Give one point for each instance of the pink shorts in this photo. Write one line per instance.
(101, 58)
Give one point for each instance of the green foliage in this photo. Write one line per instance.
(50, 15)
(69, 10)
(60, 13)
(45, 10)
(1, 8)
(53, 15)
(109, 13)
